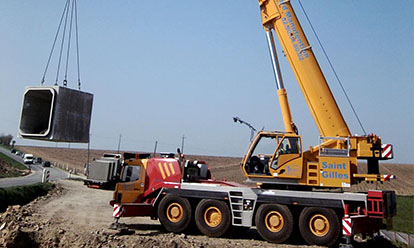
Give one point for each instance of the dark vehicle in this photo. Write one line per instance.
(37, 160)
(46, 164)
(13, 151)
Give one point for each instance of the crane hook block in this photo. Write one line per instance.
(56, 114)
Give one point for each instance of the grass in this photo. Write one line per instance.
(6, 147)
(404, 221)
(13, 162)
(21, 195)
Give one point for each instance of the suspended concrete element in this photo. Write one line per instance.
(56, 114)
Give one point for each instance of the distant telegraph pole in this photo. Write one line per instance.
(119, 142)
(182, 143)
(155, 148)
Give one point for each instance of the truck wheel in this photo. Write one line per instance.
(319, 226)
(274, 222)
(174, 213)
(212, 217)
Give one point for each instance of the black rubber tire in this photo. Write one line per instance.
(179, 225)
(333, 230)
(222, 227)
(279, 234)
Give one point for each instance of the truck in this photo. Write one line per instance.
(104, 172)
(295, 188)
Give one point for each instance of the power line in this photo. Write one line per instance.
(332, 68)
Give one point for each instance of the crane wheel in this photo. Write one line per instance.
(274, 222)
(212, 217)
(174, 213)
(319, 226)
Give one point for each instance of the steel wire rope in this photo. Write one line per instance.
(54, 43)
(65, 81)
(77, 43)
(332, 68)
(62, 43)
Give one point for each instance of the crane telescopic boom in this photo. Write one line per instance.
(280, 17)
(333, 162)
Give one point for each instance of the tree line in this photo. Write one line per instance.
(6, 139)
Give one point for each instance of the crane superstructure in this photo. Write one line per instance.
(178, 191)
(332, 163)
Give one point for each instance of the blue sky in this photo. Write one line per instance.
(163, 69)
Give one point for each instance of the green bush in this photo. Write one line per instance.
(21, 195)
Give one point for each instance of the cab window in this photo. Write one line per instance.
(289, 145)
(258, 162)
(131, 173)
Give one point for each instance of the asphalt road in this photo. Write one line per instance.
(34, 177)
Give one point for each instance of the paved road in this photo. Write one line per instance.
(34, 177)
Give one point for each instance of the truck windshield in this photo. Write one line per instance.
(131, 173)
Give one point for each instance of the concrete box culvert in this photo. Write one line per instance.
(56, 114)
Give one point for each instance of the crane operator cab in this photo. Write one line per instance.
(274, 155)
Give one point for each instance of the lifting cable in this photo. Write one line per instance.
(333, 69)
(70, 6)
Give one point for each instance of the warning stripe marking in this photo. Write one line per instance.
(167, 170)
(387, 177)
(346, 226)
(172, 168)
(117, 211)
(161, 170)
(386, 150)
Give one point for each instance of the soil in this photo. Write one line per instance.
(73, 215)
(7, 170)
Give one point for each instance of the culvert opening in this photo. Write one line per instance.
(37, 112)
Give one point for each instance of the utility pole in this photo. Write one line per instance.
(155, 148)
(182, 144)
(119, 142)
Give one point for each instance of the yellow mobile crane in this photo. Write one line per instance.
(179, 192)
(276, 158)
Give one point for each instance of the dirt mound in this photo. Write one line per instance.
(6, 169)
(17, 228)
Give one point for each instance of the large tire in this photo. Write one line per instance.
(274, 222)
(212, 217)
(319, 226)
(174, 213)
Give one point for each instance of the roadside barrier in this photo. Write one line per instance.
(65, 167)
(404, 238)
(45, 176)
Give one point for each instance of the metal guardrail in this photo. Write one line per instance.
(404, 238)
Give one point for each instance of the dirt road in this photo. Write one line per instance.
(76, 216)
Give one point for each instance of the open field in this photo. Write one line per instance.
(228, 167)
